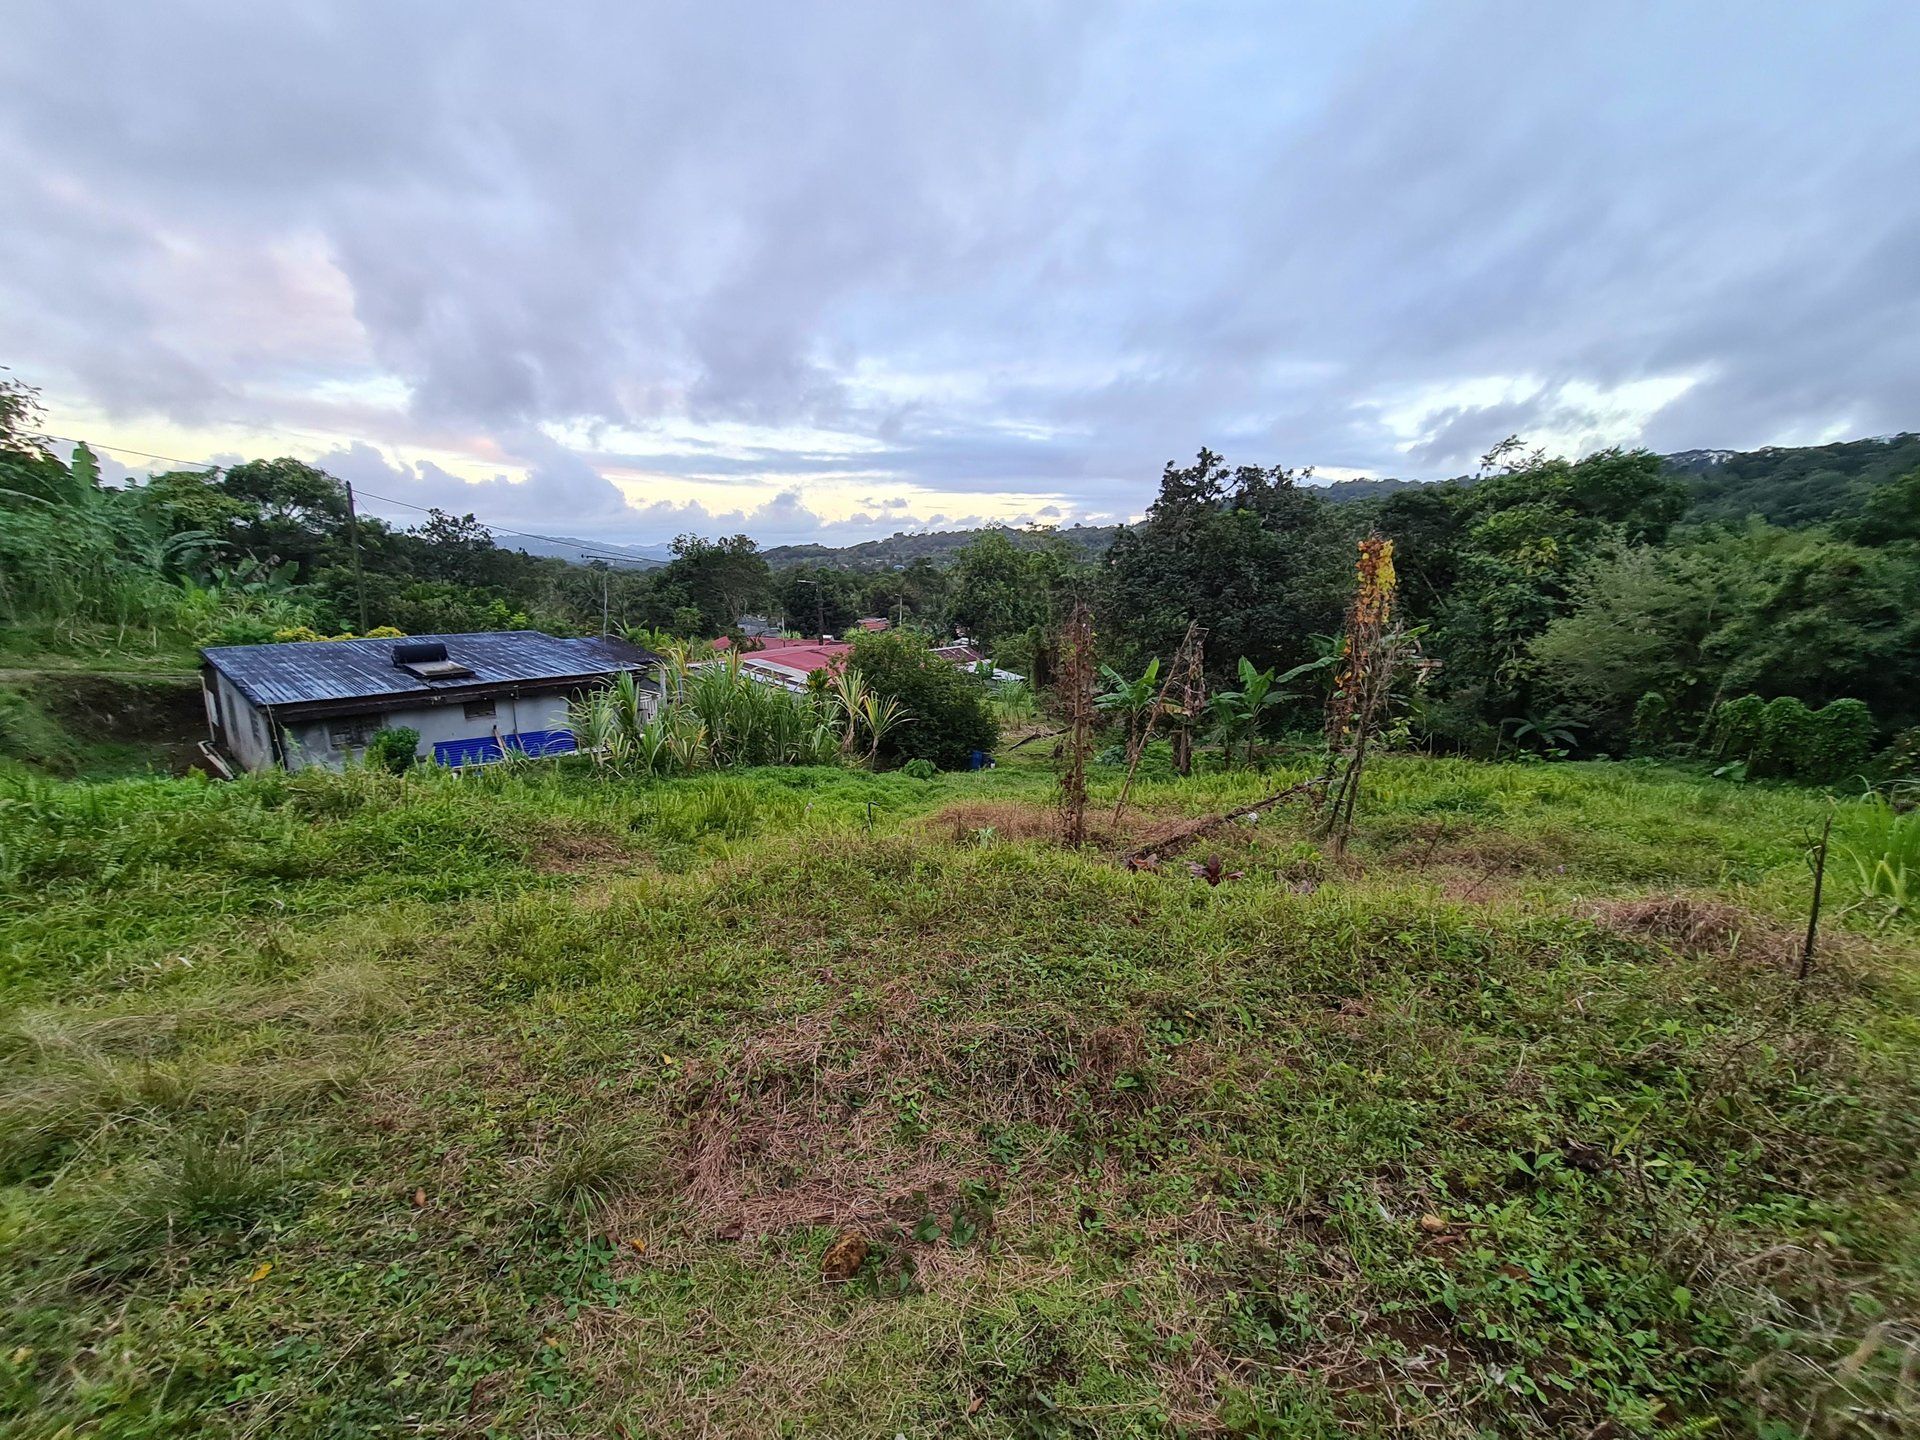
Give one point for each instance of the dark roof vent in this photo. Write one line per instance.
(427, 660)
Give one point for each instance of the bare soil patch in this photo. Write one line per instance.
(557, 850)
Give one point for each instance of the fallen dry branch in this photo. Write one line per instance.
(1166, 844)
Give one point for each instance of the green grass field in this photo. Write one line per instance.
(534, 1103)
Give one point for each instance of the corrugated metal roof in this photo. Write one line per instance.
(301, 672)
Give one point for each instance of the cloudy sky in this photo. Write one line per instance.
(830, 270)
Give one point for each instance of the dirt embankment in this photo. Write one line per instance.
(86, 722)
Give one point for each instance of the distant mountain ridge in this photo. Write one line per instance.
(585, 552)
(1787, 485)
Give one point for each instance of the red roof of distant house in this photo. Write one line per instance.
(803, 657)
(800, 656)
(770, 642)
(874, 622)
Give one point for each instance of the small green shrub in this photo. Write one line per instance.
(1886, 858)
(1843, 740)
(951, 714)
(1816, 746)
(1732, 728)
(394, 750)
(1901, 759)
(1784, 741)
(920, 769)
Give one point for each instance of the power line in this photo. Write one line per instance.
(591, 552)
(629, 556)
(143, 454)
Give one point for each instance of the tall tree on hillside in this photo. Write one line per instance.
(721, 579)
(1257, 560)
(295, 513)
(1001, 589)
(28, 468)
(1526, 533)
(460, 549)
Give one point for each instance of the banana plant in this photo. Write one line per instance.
(1131, 701)
(1554, 735)
(1239, 712)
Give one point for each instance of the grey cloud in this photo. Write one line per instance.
(1124, 230)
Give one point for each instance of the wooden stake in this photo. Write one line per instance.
(1818, 859)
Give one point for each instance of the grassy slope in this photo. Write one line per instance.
(339, 1106)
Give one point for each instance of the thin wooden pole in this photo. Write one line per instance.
(1819, 862)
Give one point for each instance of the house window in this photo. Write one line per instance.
(478, 709)
(353, 732)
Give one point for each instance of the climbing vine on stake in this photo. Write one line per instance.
(1370, 651)
(1074, 681)
(1185, 700)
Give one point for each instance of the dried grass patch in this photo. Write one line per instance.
(1696, 927)
(1138, 828)
(825, 1121)
(1006, 819)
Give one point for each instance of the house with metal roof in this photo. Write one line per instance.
(473, 698)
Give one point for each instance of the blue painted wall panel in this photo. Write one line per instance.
(482, 749)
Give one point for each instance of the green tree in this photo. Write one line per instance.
(1256, 559)
(1001, 590)
(1526, 534)
(951, 716)
(721, 579)
(293, 512)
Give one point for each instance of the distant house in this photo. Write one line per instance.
(473, 698)
(968, 656)
(873, 623)
(758, 627)
(788, 663)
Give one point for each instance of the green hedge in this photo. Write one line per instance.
(1782, 739)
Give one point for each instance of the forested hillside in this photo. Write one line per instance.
(939, 547)
(1611, 605)
(1784, 485)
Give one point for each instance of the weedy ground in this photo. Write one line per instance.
(534, 1103)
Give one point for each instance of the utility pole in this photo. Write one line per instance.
(353, 533)
(605, 571)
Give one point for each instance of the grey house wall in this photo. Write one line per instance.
(240, 727)
(318, 742)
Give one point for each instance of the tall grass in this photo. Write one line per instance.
(1886, 860)
(716, 718)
